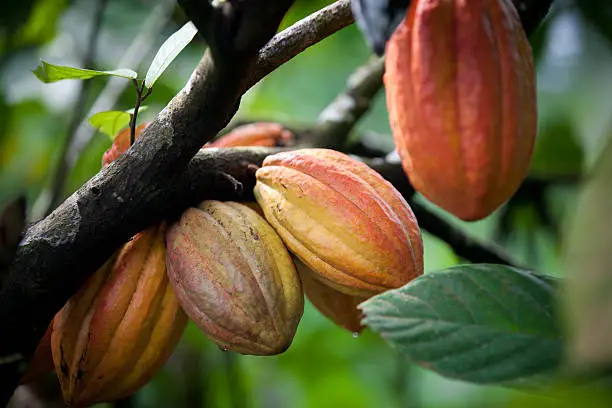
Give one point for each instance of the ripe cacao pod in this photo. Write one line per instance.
(235, 278)
(461, 96)
(119, 329)
(255, 134)
(120, 144)
(342, 219)
(41, 362)
(336, 306)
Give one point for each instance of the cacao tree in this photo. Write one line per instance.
(206, 230)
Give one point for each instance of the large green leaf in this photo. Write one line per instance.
(486, 324)
(52, 73)
(169, 50)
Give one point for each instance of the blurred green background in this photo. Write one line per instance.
(326, 366)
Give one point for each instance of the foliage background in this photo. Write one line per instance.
(326, 366)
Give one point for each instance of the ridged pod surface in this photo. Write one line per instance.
(119, 329)
(342, 219)
(235, 278)
(461, 96)
(255, 134)
(336, 306)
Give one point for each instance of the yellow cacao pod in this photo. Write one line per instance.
(461, 96)
(119, 329)
(342, 219)
(235, 278)
(336, 306)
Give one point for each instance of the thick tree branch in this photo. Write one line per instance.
(138, 189)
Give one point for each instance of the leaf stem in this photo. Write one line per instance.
(142, 95)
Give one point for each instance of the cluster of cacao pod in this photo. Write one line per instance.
(323, 225)
(461, 96)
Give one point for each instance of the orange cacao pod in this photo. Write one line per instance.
(121, 144)
(41, 362)
(255, 134)
(234, 278)
(342, 219)
(119, 329)
(461, 96)
(336, 306)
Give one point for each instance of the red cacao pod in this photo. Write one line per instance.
(336, 306)
(461, 96)
(120, 144)
(119, 329)
(342, 219)
(234, 278)
(41, 362)
(255, 134)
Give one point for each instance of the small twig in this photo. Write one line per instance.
(140, 98)
(135, 113)
(340, 116)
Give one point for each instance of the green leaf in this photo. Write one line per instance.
(169, 51)
(48, 73)
(485, 324)
(110, 122)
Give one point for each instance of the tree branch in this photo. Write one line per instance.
(61, 251)
(301, 35)
(339, 118)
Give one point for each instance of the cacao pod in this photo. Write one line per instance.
(119, 329)
(255, 134)
(120, 144)
(41, 362)
(336, 306)
(461, 96)
(235, 278)
(342, 219)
